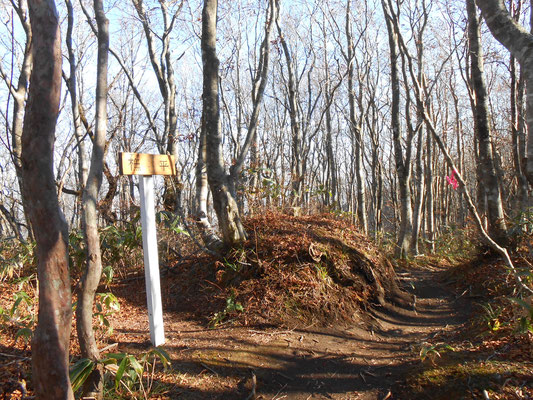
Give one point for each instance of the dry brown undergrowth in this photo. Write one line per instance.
(293, 270)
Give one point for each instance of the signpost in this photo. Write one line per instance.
(148, 165)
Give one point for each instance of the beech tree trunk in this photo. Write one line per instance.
(430, 205)
(519, 42)
(50, 345)
(377, 179)
(162, 66)
(259, 82)
(460, 146)
(419, 176)
(91, 278)
(19, 97)
(489, 180)
(330, 197)
(297, 138)
(72, 84)
(420, 192)
(221, 186)
(403, 166)
(356, 126)
(517, 125)
(517, 129)
(209, 236)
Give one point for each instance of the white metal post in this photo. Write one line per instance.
(151, 261)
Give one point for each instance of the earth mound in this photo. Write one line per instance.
(292, 271)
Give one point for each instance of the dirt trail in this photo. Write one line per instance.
(309, 363)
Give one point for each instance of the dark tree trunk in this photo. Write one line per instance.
(403, 166)
(50, 346)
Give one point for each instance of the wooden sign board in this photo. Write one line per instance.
(146, 164)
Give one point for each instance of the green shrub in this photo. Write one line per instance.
(124, 372)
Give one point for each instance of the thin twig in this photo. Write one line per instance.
(279, 391)
(252, 395)
(271, 333)
(284, 376)
(108, 347)
(15, 356)
(209, 368)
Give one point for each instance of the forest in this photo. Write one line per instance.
(266, 199)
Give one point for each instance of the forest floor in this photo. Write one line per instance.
(362, 361)
(436, 346)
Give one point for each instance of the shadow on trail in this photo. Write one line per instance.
(296, 376)
(363, 361)
(356, 362)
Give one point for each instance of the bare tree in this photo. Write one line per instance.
(297, 136)
(491, 188)
(91, 278)
(223, 194)
(331, 192)
(19, 92)
(419, 89)
(517, 124)
(223, 184)
(418, 23)
(162, 65)
(50, 347)
(403, 164)
(355, 123)
(209, 236)
(518, 41)
(72, 85)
